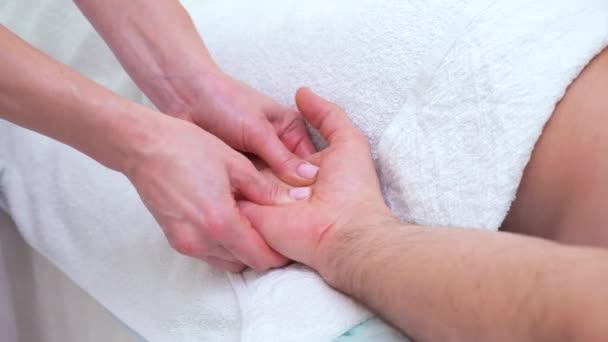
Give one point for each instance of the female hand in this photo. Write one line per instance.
(161, 49)
(249, 121)
(189, 180)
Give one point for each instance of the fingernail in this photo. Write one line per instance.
(300, 193)
(307, 170)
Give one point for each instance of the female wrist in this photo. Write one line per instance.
(178, 90)
(136, 132)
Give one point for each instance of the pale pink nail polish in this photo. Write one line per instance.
(308, 171)
(300, 193)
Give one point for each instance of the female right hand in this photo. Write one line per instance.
(189, 180)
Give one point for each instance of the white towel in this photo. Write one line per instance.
(456, 152)
(452, 95)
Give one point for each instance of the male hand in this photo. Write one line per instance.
(189, 180)
(250, 122)
(346, 191)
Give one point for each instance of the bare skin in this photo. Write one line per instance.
(564, 192)
(187, 177)
(158, 45)
(435, 284)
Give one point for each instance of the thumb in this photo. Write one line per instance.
(327, 117)
(256, 187)
(268, 221)
(283, 162)
(282, 228)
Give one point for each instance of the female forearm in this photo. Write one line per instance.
(446, 284)
(43, 95)
(157, 44)
(159, 47)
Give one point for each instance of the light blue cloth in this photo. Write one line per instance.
(374, 329)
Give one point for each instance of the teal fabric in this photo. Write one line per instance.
(373, 329)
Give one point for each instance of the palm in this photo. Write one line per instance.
(346, 173)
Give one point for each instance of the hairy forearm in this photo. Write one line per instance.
(41, 94)
(158, 45)
(448, 284)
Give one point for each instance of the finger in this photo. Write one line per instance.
(220, 252)
(328, 118)
(296, 138)
(305, 148)
(249, 247)
(253, 251)
(257, 162)
(189, 242)
(272, 223)
(265, 219)
(227, 227)
(224, 265)
(251, 184)
(316, 158)
(289, 167)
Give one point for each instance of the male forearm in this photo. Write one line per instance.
(446, 284)
(158, 45)
(41, 94)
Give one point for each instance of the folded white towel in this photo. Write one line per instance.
(456, 152)
(452, 95)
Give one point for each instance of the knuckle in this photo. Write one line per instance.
(331, 108)
(256, 125)
(267, 193)
(295, 123)
(285, 165)
(327, 111)
(294, 133)
(186, 245)
(360, 138)
(273, 191)
(255, 132)
(217, 225)
(239, 167)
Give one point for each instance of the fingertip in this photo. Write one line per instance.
(283, 162)
(307, 171)
(303, 101)
(304, 93)
(327, 117)
(296, 171)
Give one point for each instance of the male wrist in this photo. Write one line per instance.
(338, 245)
